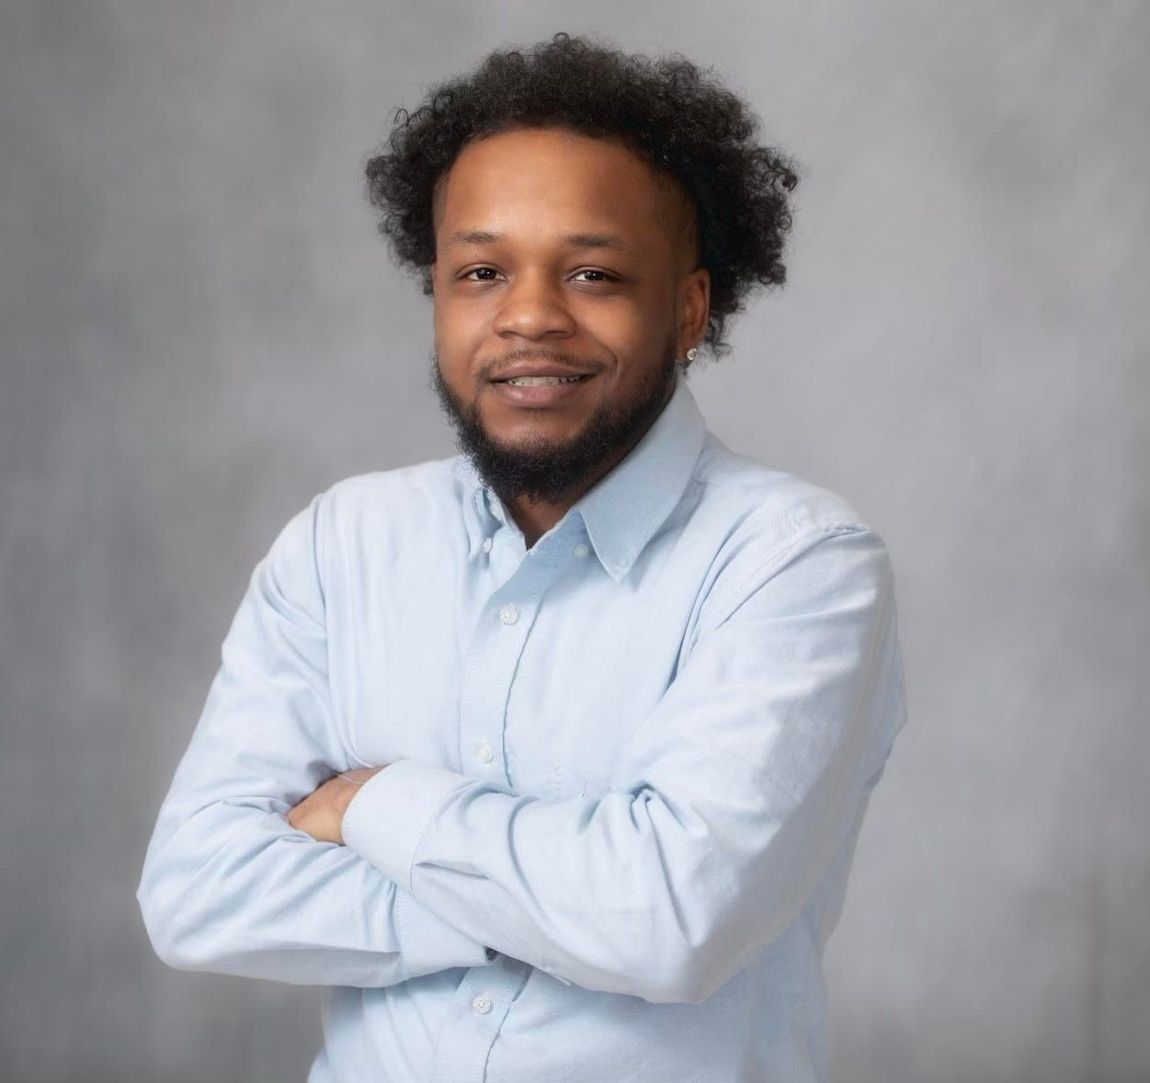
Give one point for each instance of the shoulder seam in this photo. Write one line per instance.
(779, 556)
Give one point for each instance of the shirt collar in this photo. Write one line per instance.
(622, 510)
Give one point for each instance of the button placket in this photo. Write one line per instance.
(492, 658)
(488, 992)
(479, 1007)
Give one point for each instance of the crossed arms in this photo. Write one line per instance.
(738, 790)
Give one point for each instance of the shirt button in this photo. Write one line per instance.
(487, 545)
(509, 614)
(483, 751)
(481, 1004)
(581, 550)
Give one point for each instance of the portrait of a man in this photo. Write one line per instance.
(600, 544)
(548, 759)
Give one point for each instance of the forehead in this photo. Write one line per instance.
(539, 182)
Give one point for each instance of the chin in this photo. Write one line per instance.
(528, 437)
(505, 420)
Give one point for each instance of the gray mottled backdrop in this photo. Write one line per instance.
(200, 329)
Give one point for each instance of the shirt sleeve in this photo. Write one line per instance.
(227, 884)
(732, 796)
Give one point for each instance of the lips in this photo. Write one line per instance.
(549, 392)
(533, 380)
(518, 371)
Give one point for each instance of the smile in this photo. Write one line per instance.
(543, 381)
(539, 390)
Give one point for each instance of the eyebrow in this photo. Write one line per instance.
(571, 240)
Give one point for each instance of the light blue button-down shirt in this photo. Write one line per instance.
(628, 769)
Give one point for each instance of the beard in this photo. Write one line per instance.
(545, 470)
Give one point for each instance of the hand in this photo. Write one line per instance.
(320, 814)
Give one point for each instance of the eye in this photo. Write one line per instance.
(603, 276)
(477, 270)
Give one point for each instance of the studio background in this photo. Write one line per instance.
(200, 329)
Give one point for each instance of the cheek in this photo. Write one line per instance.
(457, 338)
(629, 331)
(459, 321)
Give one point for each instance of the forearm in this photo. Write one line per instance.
(234, 890)
(228, 885)
(630, 893)
(728, 802)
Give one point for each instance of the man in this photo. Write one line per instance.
(548, 759)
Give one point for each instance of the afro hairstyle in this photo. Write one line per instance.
(680, 120)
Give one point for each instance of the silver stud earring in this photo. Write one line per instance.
(692, 353)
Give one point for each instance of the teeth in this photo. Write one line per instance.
(543, 381)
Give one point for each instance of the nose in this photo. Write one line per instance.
(532, 308)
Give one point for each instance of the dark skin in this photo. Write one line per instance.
(614, 309)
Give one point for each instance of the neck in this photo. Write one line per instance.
(536, 517)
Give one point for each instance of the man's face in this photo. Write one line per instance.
(557, 252)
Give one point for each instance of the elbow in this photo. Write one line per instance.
(170, 923)
(172, 953)
(670, 988)
(675, 991)
(642, 970)
(677, 953)
(686, 983)
(690, 966)
(162, 927)
(698, 968)
(179, 942)
(669, 973)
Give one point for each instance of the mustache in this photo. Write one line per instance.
(555, 357)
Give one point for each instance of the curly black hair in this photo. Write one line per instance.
(683, 122)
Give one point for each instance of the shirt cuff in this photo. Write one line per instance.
(429, 944)
(388, 816)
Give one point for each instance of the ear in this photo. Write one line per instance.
(694, 308)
